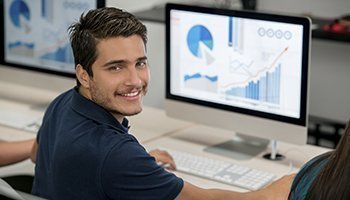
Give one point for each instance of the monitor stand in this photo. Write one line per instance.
(273, 155)
(241, 147)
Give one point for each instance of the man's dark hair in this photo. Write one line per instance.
(98, 24)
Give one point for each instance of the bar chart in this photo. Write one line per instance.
(265, 89)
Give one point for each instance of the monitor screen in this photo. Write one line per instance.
(34, 34)
(239, 70)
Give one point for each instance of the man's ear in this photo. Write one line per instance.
(82, 76)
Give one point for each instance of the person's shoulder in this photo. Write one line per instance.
(306, 176)
(323, 158)
(312, 167)
(114, 137)
(120, 140)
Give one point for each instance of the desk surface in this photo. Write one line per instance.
(153, 123)
(196, 139)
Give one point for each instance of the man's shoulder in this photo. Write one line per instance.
(109, 137)
(113, 135)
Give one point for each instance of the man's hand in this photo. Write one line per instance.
(163, 158)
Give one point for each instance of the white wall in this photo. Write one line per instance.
(329, 79)
(320, 8)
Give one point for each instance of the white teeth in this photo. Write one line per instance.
(131, 94)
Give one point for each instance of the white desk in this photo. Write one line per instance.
(153, 123)
(196, 138)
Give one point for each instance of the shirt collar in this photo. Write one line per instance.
(96, 112)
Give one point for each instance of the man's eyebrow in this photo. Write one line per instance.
(113, 62)
(142, 58)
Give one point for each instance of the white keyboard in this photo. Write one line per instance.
(221, 171)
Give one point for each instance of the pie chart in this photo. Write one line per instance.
(19, 9)
(197, 35)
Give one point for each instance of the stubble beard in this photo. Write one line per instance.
(101, 98)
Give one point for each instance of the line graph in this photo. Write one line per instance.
(250, 76)
(237, 66)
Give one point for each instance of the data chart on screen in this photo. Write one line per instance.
(247, 63)
(36, 32)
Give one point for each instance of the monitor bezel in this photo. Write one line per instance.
(304, 21)
(35, 68)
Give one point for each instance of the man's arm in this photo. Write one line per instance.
(278, 190)
(33, 151)
(12, 152)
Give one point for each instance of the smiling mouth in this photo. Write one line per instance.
(131, 94)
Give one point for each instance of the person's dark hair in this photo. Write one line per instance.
(333, 180)
(99, 24)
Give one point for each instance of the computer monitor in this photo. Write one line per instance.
(34, 34)
(238, 70)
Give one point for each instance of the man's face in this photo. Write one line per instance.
(120, 75)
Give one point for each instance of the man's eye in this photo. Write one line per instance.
(141, 64)
(114, 68)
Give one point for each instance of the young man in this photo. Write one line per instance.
(84, 149)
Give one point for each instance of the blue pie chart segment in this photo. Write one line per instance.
(19, 8)
(196, 35)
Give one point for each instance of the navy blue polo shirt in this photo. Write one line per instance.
(85, 153)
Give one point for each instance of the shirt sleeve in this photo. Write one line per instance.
(129, 172)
